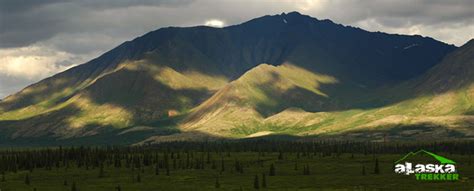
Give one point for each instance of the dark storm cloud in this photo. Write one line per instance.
(26, 5)
(28, 25)
(400, 13)
(23, 5)
(23, 22)
(103, 4)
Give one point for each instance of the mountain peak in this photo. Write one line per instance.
(282, 19)
(293, 13)
(469, 43)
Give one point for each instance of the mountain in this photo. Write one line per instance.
(436, 105)
(230, 82)
(456, 71)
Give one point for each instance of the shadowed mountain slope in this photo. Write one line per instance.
(438, 104)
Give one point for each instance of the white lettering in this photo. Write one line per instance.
(408, 169)
(400, 168)
(450, 168)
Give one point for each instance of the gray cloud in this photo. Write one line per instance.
(23, 5)
(10, 85)
(23, 22)
(82, 30)
(414, 11)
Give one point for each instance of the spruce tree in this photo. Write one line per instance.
(218, 185)
(470, 159)
(27, 179)
(101, 171)
(208, 160)
(272, 170)
(213, 164)
(237, 166)
(264, 180)
(308, 172)
(73, 186)
(376, 168)
(157, 169)
(118, 188)
(256, 185)
(167, 165)
(222, 165)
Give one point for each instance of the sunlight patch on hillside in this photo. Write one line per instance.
(178, 80)
(99, 115)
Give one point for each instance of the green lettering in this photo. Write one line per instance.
(442, 177)
(436, 177)
(455, 176)
(417, 176)
(423, 176)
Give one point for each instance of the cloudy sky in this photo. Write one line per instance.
(39, 38)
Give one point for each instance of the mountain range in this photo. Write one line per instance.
(286, 74)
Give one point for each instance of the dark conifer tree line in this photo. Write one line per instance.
(166, 157)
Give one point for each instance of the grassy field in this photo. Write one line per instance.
(342, 172)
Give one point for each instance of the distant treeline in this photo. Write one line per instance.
(195, 154)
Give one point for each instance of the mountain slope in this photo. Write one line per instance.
(438, 104)
(456, 71)
(136, 92)
(167, 74)
(262, 91)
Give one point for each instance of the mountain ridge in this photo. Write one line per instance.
(163, 77)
